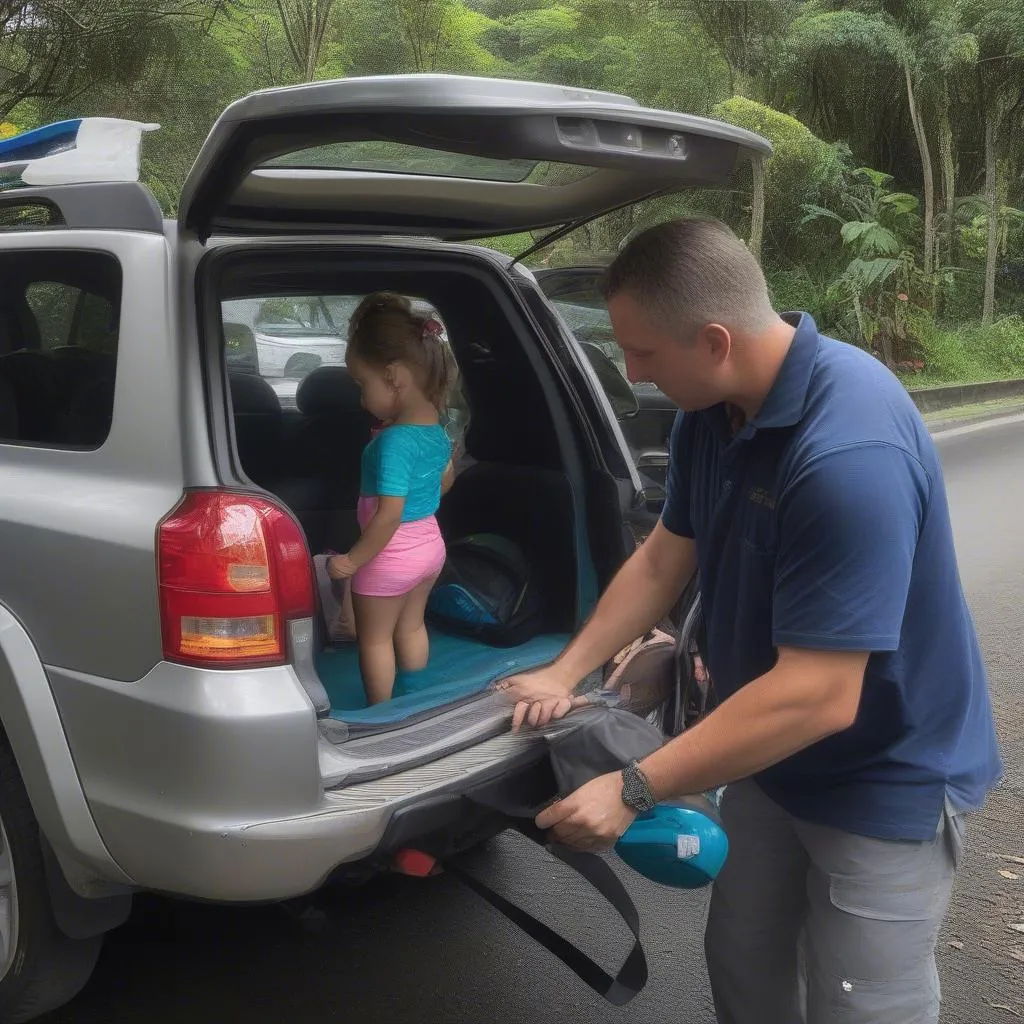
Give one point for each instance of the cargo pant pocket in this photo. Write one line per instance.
(875, 910)
(908, 1000)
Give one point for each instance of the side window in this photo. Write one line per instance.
(59, 322)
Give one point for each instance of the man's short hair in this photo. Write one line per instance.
(691, 272)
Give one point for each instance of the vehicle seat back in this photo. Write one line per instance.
(31, 380)
(257, 415)
(319, 478)
(8, 412)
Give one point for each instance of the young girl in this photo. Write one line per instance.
(401, 366)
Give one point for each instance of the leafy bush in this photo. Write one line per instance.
(796, 288)
(972, 352)
(802, 169)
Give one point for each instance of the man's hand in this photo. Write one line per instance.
(592, 818)
(540, 697)
(340, 567)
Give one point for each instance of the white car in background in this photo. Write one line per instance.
(282, 339)
(287, 337)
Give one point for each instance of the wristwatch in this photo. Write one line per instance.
(636, 790)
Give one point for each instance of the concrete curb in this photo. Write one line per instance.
(939, 425)
(951, 395)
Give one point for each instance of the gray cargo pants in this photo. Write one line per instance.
(811, 924)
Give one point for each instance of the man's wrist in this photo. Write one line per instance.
(637, 792)
(565, 677)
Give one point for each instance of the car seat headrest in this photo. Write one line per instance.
(253, 396)
(328, 391)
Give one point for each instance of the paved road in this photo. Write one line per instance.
(405, 952)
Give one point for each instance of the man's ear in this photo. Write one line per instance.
(718, 341)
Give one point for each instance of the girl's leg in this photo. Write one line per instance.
(376, 620)
(411, 643)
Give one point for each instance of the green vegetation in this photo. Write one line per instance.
(971, 353)
(891, 210)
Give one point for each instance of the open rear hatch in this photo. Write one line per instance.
(454, 158)
(443, 156)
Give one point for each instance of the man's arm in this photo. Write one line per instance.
(806, 697)
(642, 592)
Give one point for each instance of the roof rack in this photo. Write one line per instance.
(82, 173)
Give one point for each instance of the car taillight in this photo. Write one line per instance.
(233, 570)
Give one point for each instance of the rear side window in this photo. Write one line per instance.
(59, 325)
(22, 216)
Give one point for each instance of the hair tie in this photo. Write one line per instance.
(432, 328)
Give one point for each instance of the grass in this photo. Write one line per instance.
(970, 353)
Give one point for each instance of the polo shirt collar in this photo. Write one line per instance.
(784, 404)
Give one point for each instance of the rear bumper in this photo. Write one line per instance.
(351, 833)
(210, 785)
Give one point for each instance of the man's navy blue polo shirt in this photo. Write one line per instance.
(823, 523)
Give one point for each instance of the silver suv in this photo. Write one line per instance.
(173, 718)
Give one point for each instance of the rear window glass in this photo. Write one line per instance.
(400, 158)
(22, 216)
(284, 338)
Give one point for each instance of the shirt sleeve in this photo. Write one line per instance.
(848, 532)
(675, 516)
(396, 459)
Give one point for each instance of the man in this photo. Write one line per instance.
(855, 726)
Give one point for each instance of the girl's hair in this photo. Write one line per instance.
(384, 330)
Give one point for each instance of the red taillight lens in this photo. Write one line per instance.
(233, 569)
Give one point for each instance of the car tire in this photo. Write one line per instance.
(301, 364)
(40, 967)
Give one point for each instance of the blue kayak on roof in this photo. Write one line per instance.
(85, 149)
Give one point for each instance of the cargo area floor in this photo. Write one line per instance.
(457, 668)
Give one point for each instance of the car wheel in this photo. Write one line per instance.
(40, 967)
(301, 364)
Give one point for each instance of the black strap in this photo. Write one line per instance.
(632, 976)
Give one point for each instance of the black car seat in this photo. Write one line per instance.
(8, 412)
(30, 377)
(257, 415)
(319, 476)
(83, 381)
(74, 368)
(530, 505)
(87, 421)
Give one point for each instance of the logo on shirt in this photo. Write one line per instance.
(760, 496)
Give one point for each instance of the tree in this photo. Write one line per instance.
(802, 170)
(746, 34)
(53, 50)
(305, 24)
(423, 25)
(848, 36)
(999, 27)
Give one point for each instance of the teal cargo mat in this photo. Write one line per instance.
(458, 667)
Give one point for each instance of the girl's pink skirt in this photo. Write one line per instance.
(415, 553)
